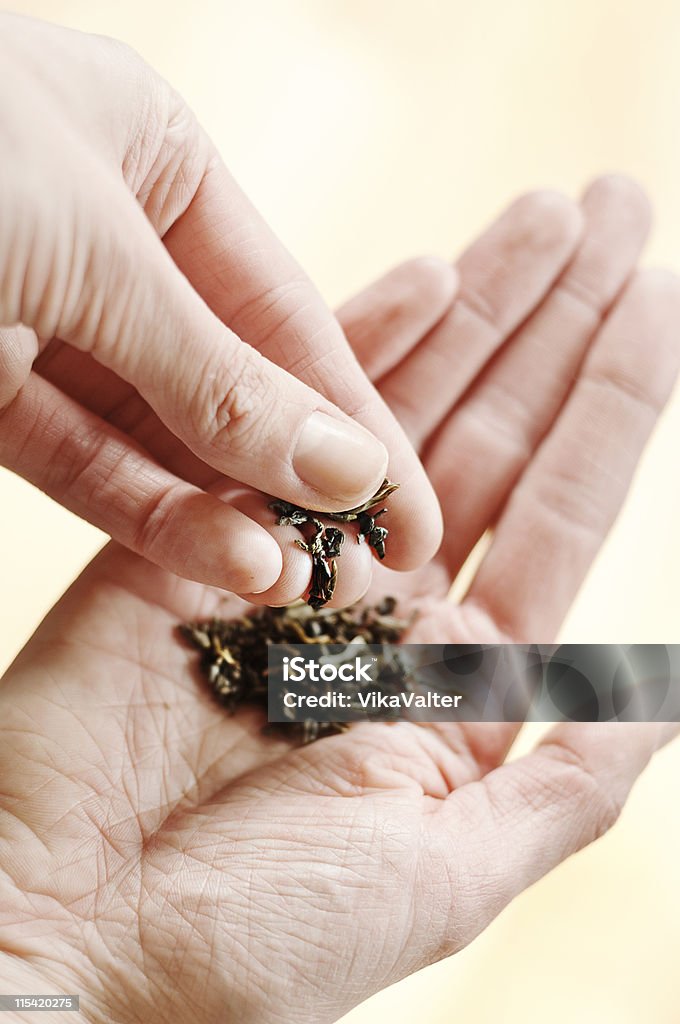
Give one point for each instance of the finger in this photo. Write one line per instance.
(500, 422)
(382, 323)
(119, 296)
(99, 473)
(93, 386)
(252, 283)
(504, 275)
(18, 348)
(562, 508)
(390, 317)
(497, 837)
(121, 405)
(353, 564)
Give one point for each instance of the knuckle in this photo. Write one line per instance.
(583, 293)
(484, 305)
(117, 66)
(548, 216)
(421, 283)
(637, 392)
(79, 467)
(167, 158)
(621, 189)
(118, 52)
(239, 402)
(164, 152)
(157, 520)
(431, 273)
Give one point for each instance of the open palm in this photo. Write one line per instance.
(163, 859)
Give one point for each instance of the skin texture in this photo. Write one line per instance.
(132, 260)
(169, 862)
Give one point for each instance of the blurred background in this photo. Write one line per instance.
(371, 131)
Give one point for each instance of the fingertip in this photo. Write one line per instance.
(353, 565)
(292, 578)
(250, 564)
(355, 572)
(625, 192)
(261, 566)
(216, 545)
(551, 216)
(386, 321)
(291, 583)
(415, 523)
(431, 280)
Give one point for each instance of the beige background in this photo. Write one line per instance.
(371, 131)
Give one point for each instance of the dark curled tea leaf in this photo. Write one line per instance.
(324, 547)
(325, 542)
(234, 651)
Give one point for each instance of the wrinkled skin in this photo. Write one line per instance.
(169, 862)
(136, 275)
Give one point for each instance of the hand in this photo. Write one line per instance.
(166, 860)
(213, 337)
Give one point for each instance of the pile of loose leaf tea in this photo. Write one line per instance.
(234, 651)
(324, 543)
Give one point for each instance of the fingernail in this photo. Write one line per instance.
(340, 459)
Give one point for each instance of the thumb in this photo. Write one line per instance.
(118, 294)
(524, 818)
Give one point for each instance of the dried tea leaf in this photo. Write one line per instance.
(325, 542)
(234, 651)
